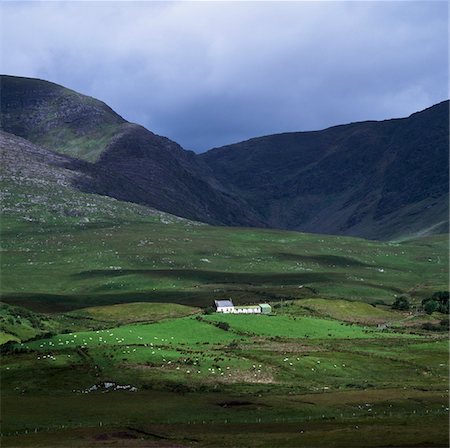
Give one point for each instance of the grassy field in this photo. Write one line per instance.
(56, 267)
(109, 344)
(133, 312)
(282, 379)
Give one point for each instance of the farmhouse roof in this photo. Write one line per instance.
(223, 303)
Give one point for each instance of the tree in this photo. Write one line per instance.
(439, 301)
(401, 303)
(430, 306)
(443, 298)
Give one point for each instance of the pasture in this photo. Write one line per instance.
(265, 379)
(110, 344)
(61, 267)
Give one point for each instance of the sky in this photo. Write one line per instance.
(206, 74)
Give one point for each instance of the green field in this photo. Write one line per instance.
(118, 296)
(195, 381)
(67, 265)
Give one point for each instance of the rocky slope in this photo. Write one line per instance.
(130, 162)
(42, 186)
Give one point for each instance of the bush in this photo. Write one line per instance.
(430, 306)
(442, 326)
(223, 325)
(209, 310)
(8, 347)
(401, 303)
(378, 302)
(441, 296)
(439, 300)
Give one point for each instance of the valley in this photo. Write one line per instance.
(117, 241)
(126, 304)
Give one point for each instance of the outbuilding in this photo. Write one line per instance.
(265, 308)
(247, 309)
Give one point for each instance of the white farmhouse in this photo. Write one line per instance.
(224, 306)
(227, 306)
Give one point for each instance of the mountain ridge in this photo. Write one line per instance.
(374, 179)
(324, 166)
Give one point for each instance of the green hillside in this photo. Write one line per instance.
(62, 266)
(134, 312)
(57, 118)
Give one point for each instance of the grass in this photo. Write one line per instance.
(88, 147)
(17, 323)
(115, 291)
(134, 312)
(262, 377)
(296, 327)
(171, 332)
(343, 310)
(99, 263)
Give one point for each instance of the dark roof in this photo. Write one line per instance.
(222, 303)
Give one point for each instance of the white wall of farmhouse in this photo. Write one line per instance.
(225, 309)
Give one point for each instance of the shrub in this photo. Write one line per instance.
(441, 296)
(401, 303)
(209, 310)
(440, 300)
(442, 326)
(430, 306)
(223, 325)
(8, 348)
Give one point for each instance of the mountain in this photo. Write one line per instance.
(57, 118)
(378, 180)
(153, 170)
(371, 179)
(39, 185)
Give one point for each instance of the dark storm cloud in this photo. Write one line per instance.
(207, 74)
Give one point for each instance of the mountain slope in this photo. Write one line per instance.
(378, 180)
(38, 185)
(153, 171)
(372, 179)
(56, 117)
(171, 178)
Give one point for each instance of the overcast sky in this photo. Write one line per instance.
(210, 73)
